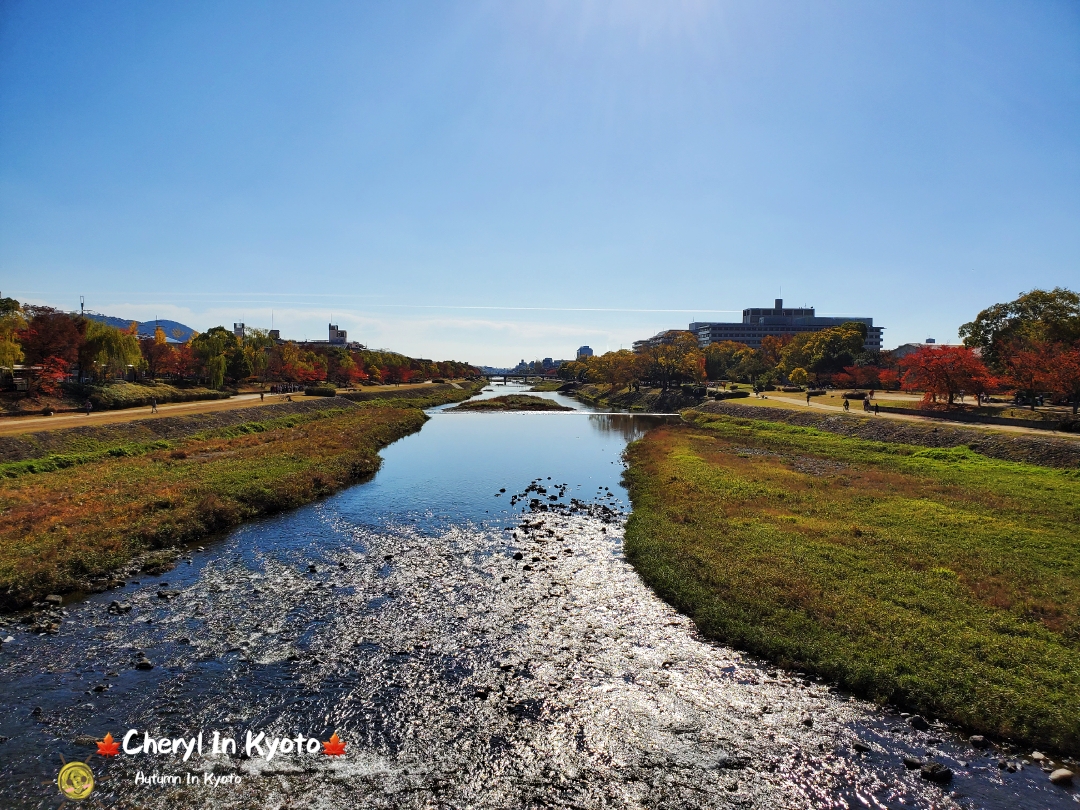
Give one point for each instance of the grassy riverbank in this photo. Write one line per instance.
(81, 514)
(512, 402)
(936, 579)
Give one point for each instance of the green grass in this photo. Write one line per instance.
(513, 402)
(938, 580)
(548, 385)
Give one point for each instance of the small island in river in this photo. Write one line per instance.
(512, 402)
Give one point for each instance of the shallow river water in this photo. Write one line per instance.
(467, 625)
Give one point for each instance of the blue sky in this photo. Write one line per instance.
(493, 181)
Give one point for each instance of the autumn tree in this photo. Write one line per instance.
(157, 353)
(945, 371)
(621, 369)
(51, 333)
(1064, 375)
(675, 360)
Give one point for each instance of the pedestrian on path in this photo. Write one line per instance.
(89, 406)
(808, 398)
(262, 396)
(847, 406)
(153, 405)
(875, 409)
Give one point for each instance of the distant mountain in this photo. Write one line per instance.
(175, 331)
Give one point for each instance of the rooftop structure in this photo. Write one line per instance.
(338, 337)
(584, 351)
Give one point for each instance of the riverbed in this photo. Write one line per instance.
(466, 623)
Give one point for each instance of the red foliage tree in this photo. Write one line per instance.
(1064, 376)
(51, 333)
(889, 378)
(945, 371)
(48, 374)
(1029, 365)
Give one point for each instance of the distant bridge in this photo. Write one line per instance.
(525, 378)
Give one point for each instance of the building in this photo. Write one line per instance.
(659, 339)
(239, 329)
(776, 321)
(338, 337)
(905, 349)
(584, 351)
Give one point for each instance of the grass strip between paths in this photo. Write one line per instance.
(935, 579)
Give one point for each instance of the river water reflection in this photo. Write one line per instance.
(471, 650)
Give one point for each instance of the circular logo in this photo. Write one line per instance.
(75, 780)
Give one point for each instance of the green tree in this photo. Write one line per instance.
(721, 358)
(825, 352)
(1039, 315)
(11, 323)
(110, 351)
(213, 349)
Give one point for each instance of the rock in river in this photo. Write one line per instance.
(1062, 776)
(918, 723)
(935, 772)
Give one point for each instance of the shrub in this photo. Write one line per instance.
(692, 390)
(731, 394)
(320, 391)
(135, 395)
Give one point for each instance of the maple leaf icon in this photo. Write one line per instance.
(108, 747)
(334, 747)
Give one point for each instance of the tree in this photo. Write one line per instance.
(676, 359)
(108, 350)
(750, 366)
(1065, 375)
(826, 351)
(798, 376)
(51, 333)
(1052, 316)
(772, 348)
(157, 353)
(257, 346)
(621, 369)
(48, 377)
(12, 323)
(945, 371)
(721, 358)
(214, 348)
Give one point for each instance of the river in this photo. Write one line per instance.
(466, 623)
